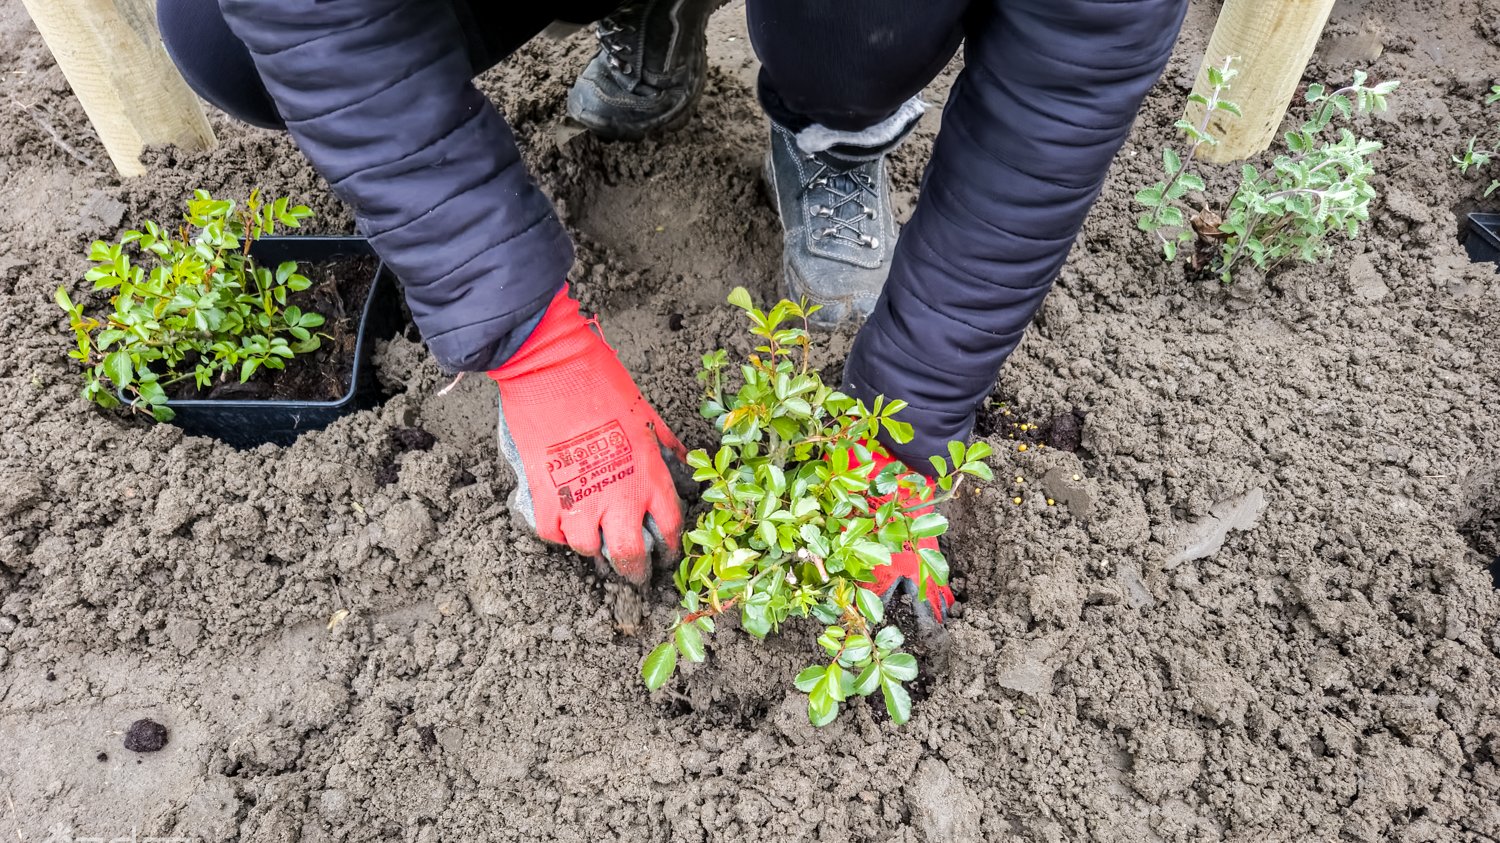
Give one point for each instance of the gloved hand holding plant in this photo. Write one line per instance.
(810, 517)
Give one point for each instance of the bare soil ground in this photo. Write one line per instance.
(1329, 673)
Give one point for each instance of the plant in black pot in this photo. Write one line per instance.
(229, 330)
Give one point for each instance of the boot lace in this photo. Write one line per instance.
(613, 35)
(848, 198)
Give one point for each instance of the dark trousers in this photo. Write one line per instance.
(846, 67)
(1046, 98)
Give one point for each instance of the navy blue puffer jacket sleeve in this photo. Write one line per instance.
(1046, 98)
(378, 98)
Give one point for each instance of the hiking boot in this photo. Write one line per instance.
(650, 69)
(838, 230)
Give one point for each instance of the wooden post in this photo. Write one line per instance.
(1271, 42)
(112, 55)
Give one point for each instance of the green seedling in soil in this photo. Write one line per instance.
(1472, 157)
(1318, 187)
(800, 517)
(190, 304)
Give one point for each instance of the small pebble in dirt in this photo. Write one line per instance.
(145, 735)
(413, 439)
(464, 477)
(51, 677)
(674, 322)
(103, 756)
(1066, 433)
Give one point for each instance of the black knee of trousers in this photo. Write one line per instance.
(215, 63)
(849, 66)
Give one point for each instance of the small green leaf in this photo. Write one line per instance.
(889, 638)
(833, 682)
(900, 432)
(1171, 162)
(119, 369)
(870, 605)
(902, 666)
(740, 298)
(936, 562)
(659, 665)
(872, 553)
(690, 642)
(856, 649)
(821, 708)
(897, 701)
(928, 525)
(1151, 196)
(809, 678)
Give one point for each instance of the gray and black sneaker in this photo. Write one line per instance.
(838, 229)
(650, 68)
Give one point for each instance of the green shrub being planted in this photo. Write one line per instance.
(190, 304)
(805, 504)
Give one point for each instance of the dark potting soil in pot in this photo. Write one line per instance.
(338, 292)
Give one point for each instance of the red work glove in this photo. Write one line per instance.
(901, 575)
(587, 449)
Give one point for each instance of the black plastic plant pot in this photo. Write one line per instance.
(1482, 239)
(246, 423)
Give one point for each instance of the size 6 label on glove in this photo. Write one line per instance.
(589, 463)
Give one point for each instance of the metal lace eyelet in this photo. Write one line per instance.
(872, 242)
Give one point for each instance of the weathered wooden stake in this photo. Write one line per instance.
(1271, 42)
(112, 55)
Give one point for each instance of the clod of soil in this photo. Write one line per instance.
(145, 735)
(388, 474)
(412, 439)
(1066, 432)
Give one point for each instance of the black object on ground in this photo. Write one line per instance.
(145, 735)
(1066, 431)
(246, 423)
(1482, 238)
